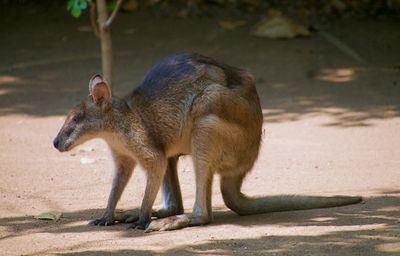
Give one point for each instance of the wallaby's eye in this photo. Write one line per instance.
(77, 118)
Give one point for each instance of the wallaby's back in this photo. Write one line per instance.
(185, 87)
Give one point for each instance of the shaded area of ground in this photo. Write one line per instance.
(373, 229)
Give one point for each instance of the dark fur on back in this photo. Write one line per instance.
(169, 71)
(184, 68)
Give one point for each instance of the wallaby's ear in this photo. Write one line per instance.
(100, 91)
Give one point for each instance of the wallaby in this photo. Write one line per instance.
(186, 104)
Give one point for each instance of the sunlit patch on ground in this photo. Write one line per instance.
(340, 75)
(10, 80)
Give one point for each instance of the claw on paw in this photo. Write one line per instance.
(102, 222)
(139, 225)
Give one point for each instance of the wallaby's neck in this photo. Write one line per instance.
(121, 122)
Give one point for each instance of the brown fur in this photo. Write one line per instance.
(187, 104)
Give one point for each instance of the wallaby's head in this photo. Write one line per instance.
(87, 119)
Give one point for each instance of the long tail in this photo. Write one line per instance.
(247, 206)
(244, 205)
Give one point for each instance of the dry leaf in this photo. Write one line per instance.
(52, 215)
(130, 6)
(231, 24)
(279, 27)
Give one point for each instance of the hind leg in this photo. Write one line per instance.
(201, 214)
(205, 153)
(171, 192)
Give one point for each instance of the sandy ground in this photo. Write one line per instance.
(331, 127)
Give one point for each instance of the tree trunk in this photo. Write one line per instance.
(105, 41)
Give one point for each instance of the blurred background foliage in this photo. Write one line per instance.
(322, 9)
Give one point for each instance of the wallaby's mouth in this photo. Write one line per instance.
(62, 149)
(60, 146)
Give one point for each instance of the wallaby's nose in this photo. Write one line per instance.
(56, 142)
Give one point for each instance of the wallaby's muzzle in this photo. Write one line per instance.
(59, 145)
(56, 142)
(63, 140)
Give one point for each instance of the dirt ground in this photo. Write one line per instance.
(331, 127)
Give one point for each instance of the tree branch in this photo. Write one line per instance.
(105, 41)
(113, 15)
(93, 22)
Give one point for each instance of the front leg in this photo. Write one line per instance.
(155, 174)
(171, 195)
(123, 171)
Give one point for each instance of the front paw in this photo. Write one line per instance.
(104, 221)
(129, 216)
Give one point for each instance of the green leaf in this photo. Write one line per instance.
(111, 5)
(77, 6)
(70, 4)
(76, 12)
(83, 4)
